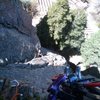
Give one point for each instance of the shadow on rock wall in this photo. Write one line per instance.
(93, 71)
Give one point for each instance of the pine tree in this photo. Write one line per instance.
(91, 50)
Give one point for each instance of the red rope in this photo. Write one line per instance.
(94, 84)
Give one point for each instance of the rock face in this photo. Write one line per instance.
(12, 15)
(49, 59)
(18, 39)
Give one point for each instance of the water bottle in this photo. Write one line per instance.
(67, 70)
(78, 72)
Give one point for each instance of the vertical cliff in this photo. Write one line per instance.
(18, 38)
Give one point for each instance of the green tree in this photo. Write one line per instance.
(90, 50)
(66, 27)
(59, 21)
(77, 31)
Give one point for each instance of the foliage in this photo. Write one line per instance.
(59, 19)
(30, 6)
(91, 50)
(77, 31)
(65, 26)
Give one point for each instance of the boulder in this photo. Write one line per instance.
(18, 38)
(93, 71)
(49, 58)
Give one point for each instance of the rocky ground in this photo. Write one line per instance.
(36, 74)
(39, 78)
